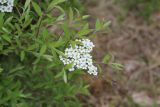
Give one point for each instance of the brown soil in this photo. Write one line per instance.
(136, 45)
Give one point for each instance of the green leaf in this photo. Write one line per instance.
(1, 20)
(45, 34)
(27, 3)
(61, 17)
(68, 66)
(60, 74)
(73, 43)
(77, 12)
(98, 24)
(7, 38)
(17, 68)
(43, 49)
(22, 55)
(6, 30)
(65, 76)
(107, 58)
(86, 26)
(70, 14)
(7, 21)
(99, 69)
(84, 32)
(85, 16)
(60, 8)
(67, 31)
(18, 29)
(57, 44)
(117, 66)
(107, 24)
(59, 52)
(32, 47)
(48, 57)
(37, 8)
(54, 3)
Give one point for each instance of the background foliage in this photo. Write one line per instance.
(144, 8)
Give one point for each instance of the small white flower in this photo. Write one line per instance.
(6, 5)
(80, 57)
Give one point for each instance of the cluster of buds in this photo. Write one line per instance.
(79, 56)
(6, 5)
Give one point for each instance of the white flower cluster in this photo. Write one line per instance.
(6, 5)
(80, 57)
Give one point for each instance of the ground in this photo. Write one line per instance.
(134, 43)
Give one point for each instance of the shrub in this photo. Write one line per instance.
(31, 73)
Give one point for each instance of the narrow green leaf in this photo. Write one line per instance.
(99, 69)
(17, 68)
(65, 77)
(57, 43)
(60, 74)
(107, 24)
(43, 50)
(67, 31)
(68, 66)
(60, 8)
(59, 52)
(7, 38)
(78, 12)
(98, 24)
(117, 66)
(37, 8)
(48, 57)
(8, 20)
(22, 55)
(1, 20)
(32, 47)
(18, 29)
(45, 34)
(70, 14)
(27, 23)
(84, 32)
(61, 17)
(27, 4)
(54, 3)
(5, 30)
(85, 16)
(107, 58)
(86, 26)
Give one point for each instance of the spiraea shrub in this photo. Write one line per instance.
(38, 43)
